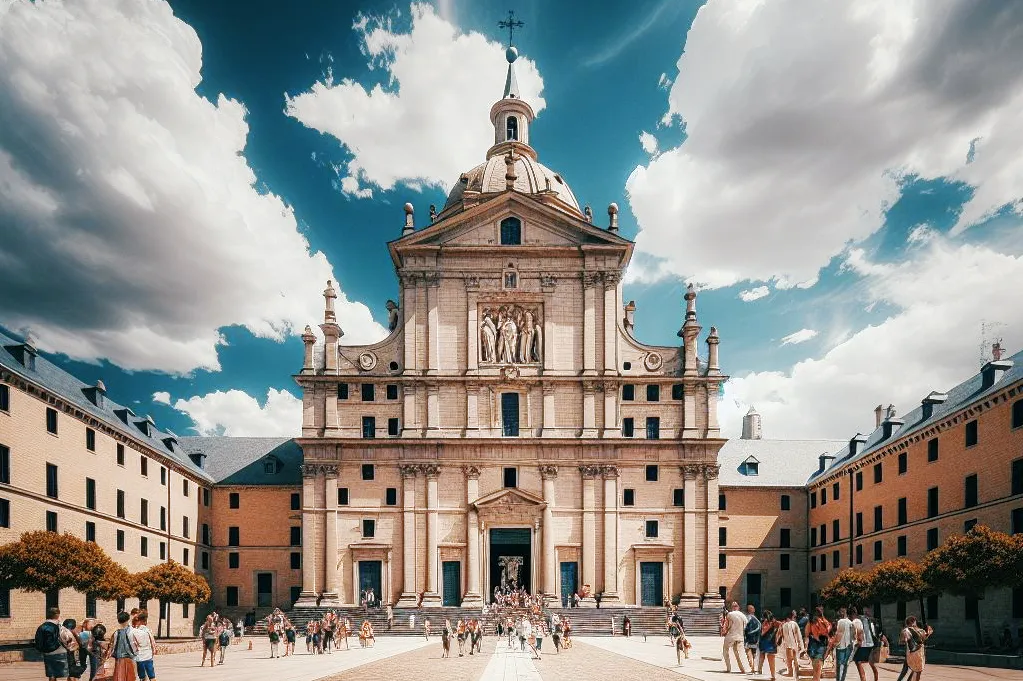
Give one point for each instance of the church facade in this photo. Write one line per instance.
(511, 429)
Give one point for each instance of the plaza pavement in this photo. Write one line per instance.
(407, 658)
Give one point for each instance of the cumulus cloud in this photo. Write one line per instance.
(802, 121)
(749, 295)
(800, 336)
(940, 296)
(237, 414)
(429, 122)
(162, 397)
(648, 142)
(132, 226)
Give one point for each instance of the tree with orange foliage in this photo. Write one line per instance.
(171, 582)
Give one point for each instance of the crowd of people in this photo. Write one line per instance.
(73, 650)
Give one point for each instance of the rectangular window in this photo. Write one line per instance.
(932, 607)
(824, 562)
(813, 536)
(932, 539)
(5, 398)
(369, 528)
(391, 496)
(651, 473)
(368, 392)
(653, 428)
(932, 450)
(296, 501)
(233, 500)
(163, 518)
(824, 496)
(835, 489)
(296, 535)
(342, 391)
(970, 492)
(1017, 603)
(900, 546)
(677, 391)
(120, 503)
(296, 560)
(1017, 477)
(231, 596)
(786, 597)
(120, 454)
(628, 427)
(368, 471)
(144, 512)
(233, 560)
(971, 433)
(511, 476)
(877, 550)
(835, 560)
(233, 538)
(859, 481)
(969, 524)
(369, 427)
(786, 561)
(90, 531)
(878, 518)
(813, 563)
(510, 414)
(786, 502)
(120, 540)
(184, 488)
(722, 502)
(5, 513)
(392, 391)
(204, 533)
(678, 497)
(859, 554)
(722, 561)
(51, 420)
(1016, 521)
(786, 538)
(342, 496)
(90, 605)
(184, 527)
(722, 536)
(903, 463)
(393, 429)
(970, 606)
(51, 521)
(629, 497)
(5, 465)
(900, 610)
(903, 513)
(653, 393)
(932, 502)
(52, 488)
(651, 529)
(90, 494)
(628, 392)
(90, 439)
(859, 524)
(204, 560)
(813, 499)
(144, 546)
(163, 475)
(824, 534)
(144, 466)
(878, 475)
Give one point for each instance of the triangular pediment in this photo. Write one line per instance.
(509, 497)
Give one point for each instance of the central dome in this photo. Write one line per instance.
(531, 177)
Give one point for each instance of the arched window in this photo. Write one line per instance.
(511, 232)
(513, 128)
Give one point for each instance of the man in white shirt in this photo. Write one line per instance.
(734, 630)
(845, 635)
(865, 642)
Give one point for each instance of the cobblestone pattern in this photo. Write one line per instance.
(424, 664)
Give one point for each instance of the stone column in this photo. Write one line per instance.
(432, 408)
(331, 426)
(548, 411)
(549, 474)
(332, 578)
(472, 410)
(712, 598)
(689, 332)
(409, 596)
(410, 327)
(432, 281)
(690, 590)
(472, 286)
(590, 281)
(589, 410)
(307, 599)
(611, 426)
(409, 413)
(589, 551)
(670, 567)
(548, 284)
(611, 279)
(611, 595)
(432, 472)
(473, 597)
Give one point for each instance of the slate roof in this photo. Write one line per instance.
(54, 379)
(963, 395)
(783, 463)
(240, 460)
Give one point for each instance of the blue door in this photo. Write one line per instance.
(369, 578)
(569, 581)
(451, 570)
(651, 576)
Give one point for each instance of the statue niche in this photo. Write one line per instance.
(511, 334)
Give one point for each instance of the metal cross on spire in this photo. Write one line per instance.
(511, 24)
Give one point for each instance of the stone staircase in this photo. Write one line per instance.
(650, 621)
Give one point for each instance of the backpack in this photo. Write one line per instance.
(47, 638)
(225, 638)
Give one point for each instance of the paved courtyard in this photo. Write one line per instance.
(404, 658)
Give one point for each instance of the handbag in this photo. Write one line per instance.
(883, 655)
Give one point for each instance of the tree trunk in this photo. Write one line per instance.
(923, 612)
(976, 628)
(168, 621)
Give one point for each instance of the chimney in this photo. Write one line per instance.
(410, 224)
(878, 416)
(95, 393)
(612, 214)
(992, 371)
(855, 443)
(198, 458)
(996, 350)
(927, 403)
(630, 316)
(825, 460)
(751, 427)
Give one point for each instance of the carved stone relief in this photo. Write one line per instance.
(511, 334)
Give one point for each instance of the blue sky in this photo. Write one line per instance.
(844, 186)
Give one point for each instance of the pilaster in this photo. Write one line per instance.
(432, 282)
(610, 281)
(331, 557)
(589, 549)
(712, 598)
(307, 598)
(590, 282)
(431, 598)
(409, 596)
(548, 411)
(589, 410)
(473, 597)
(690, 590)
(610, 595)
(549, 474)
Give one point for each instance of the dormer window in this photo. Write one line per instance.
(511, 232)
(751, 466)
(271, 465)
(512, 129)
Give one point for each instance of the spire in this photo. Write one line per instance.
(510, 115)
(511, 85)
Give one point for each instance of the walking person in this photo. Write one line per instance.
(556, 636)
(792, 642)
(627, 626)
(914, 639)
(445, 639)
(390, 617)
(275, 640)
(845, 637)
(520, 631)
(289, 639)
(818, 631)
(223, 641)
(426, 628)
(868, 641)
(530, 637)
(541, 631)
(55, 642)
(751, 635)
(770, 630)
(460, 633)
(123, 650)
(733, 631)
(145, 647)
(412, 622)
(98, 651)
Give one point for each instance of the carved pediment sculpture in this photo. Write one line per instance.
(511, 334)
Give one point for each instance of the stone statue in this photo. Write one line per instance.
(488, 337)
(392, 315)
(536, 347)
(510, 568)
(525, 353)
(508, 335)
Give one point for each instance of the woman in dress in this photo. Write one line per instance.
(818, 633)
(123, 651)
(770, 629)
(914, 639)
(366, 637)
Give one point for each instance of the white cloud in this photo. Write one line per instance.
(162, 397)
(941, 295)
(430, 121)
(236, 414)
(133, 228)
(800, 336)
(801, 119)
(648, 142)
(749, 295)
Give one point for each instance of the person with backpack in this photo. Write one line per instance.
(224, 640)
(123, 650)
(98, 652)
(145, 647)
(54, 641)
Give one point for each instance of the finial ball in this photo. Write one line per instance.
(408, 209)
(511, 54)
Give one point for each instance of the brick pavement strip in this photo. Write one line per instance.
(584, 661)
(423, 664)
